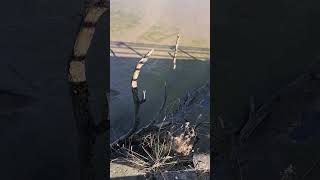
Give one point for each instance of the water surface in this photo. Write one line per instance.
(189, 75)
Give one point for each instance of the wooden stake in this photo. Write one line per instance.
(175, 52)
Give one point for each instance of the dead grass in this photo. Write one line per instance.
(183, 143)
(163, 150)
(167, 146)
(289, 173)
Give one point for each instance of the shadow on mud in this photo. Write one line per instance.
(129, 49)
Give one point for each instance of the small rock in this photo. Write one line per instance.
(201, 162)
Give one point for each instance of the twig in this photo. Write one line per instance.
(257, 116)
(175, 52)
(240, 170)
(161, 108)
(221, 122)
(252, 121)
(114, 54)
(251, 126)
(310, 169)
(200, 123)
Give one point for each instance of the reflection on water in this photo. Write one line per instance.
(188, 75)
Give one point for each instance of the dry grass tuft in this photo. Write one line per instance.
(162, 150)
(183, 143)
(289, 173)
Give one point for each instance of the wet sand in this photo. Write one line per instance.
(160, 21)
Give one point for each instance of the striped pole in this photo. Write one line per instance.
(175, 52)
(87, 129)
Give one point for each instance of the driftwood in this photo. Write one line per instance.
(175, 52)
(87, 129)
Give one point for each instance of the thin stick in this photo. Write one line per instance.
(258, 115)
(159, 112)
(221, 122)
(310, 169)
(114, 54)
(175, 52)
(240, 170)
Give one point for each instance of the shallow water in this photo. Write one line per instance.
(188, 76)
